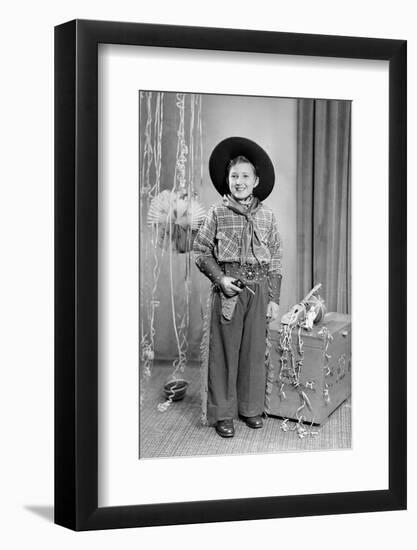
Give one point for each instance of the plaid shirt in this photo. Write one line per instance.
(220, 236)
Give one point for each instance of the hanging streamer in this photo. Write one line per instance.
(169, 220)
(149, 188)
(301, 316)
(177, 214)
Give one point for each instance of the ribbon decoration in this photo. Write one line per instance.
(167, 217)
(184, 196)
(292, 358)
(149, 187)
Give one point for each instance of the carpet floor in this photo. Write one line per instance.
(178, 431)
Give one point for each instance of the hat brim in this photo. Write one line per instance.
(231, 148)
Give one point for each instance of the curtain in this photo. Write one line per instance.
(324, 201)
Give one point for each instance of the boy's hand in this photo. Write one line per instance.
(228, 288)
(272, 311)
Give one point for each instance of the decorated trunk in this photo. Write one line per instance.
(309, 371)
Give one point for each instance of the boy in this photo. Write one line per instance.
(239, 248)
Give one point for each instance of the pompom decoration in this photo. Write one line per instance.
(176, 218)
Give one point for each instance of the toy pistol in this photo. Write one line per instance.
(241, 284)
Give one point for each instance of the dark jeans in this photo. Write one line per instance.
(236, 371)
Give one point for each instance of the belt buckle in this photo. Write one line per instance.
(250, 273)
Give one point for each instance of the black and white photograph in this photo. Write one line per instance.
(245, 274)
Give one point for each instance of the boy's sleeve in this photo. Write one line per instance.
(204, 248)
(275, 266)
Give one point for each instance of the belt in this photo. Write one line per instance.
(247, 273)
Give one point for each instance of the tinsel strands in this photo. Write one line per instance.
(146, 350)
(155, 189)
(289, 354)
(149, 260)
(178, 183)
(200, 132)
(185, 158)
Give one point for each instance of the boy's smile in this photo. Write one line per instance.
(242, 180)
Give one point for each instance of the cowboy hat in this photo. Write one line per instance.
(233, 147)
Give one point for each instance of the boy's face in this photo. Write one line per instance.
(242, 180)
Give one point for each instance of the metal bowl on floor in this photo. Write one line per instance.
(175, 389)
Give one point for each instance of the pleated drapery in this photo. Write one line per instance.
(324, 200)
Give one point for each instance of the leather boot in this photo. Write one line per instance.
(253, 421)
(225, 428)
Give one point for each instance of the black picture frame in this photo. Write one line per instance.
(76, 272)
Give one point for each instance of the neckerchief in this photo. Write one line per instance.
(250, 233)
